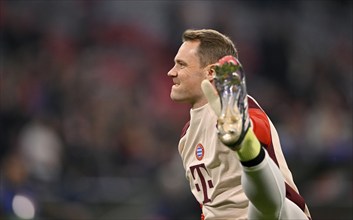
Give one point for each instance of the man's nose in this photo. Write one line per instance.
(172, 72)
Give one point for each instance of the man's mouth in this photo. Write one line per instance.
(175, 84)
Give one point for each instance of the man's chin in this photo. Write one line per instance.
(175, 98)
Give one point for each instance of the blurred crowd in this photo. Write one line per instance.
(88, 130)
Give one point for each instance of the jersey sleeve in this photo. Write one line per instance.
(260, 125)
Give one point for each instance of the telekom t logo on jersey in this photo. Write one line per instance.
(204, 184)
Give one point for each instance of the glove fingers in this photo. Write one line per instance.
(212, 96)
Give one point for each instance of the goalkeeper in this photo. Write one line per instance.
(230, 149)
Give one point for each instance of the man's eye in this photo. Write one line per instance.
(182, 65)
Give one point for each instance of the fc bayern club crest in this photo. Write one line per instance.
(200, 152)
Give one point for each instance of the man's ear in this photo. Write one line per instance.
(211, 73)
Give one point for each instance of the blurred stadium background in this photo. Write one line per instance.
(87, 128)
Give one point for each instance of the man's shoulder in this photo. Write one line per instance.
(253, 103)
(185, 128)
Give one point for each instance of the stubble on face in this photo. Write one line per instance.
(187, 76)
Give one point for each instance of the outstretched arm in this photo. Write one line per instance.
(244, 131)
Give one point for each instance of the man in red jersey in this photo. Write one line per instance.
(230, 149)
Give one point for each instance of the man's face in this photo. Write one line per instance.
(187, 76)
